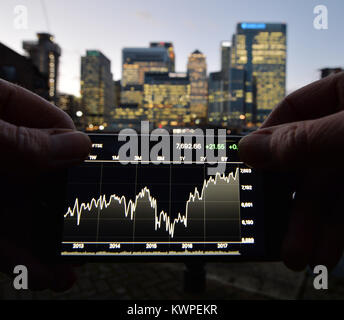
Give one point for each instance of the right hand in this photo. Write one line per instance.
(304, 134)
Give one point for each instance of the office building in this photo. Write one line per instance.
(117, 93)
(171, 53)
(236, 117)
(97, 90)
(226, 50)
(45, 54)
(72, 106)
(135, 63)
(261, 49)
(197, 72)
(132, 94)
(20, 70)
(215, 98)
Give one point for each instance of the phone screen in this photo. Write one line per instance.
(181, 197)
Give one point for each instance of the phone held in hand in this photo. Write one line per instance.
(170, 198)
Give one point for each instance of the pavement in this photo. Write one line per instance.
(151, 281)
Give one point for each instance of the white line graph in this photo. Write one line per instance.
(160, 218)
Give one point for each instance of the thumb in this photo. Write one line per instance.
(296, 145)
(28, 148)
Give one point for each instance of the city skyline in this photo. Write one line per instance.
(141, 24)
(250, 84)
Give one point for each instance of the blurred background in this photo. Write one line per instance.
(180, 65)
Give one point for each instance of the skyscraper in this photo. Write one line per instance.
(226, 50)
(197, 72)
(117, 93)
(171, 53)
(261, 49)
(216, 98)
(20, 70)
(237, 91)
(97, 90)
(69, 103)
(45, 54)
(135, 63)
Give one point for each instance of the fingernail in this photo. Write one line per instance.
(70, 146)
(254, 149)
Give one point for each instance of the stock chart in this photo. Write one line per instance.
(174, 207)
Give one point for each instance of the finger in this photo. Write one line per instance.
(329, 244)
(27, 148)
(296, 145)
(313, 101)
(24, 108)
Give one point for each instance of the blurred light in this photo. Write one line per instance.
(253, 25)
(226, 43)
(79, 114)
(101, 127)
(242, 117)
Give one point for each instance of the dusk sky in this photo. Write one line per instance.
(110, 25)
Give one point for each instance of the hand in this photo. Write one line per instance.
(34, 136)
(305, 134)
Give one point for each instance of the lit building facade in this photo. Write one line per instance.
(171, 53)
(226, 50)
(135, 63)
(167, 98)
(132, 94)
(197, 72)
(215, 98)
(97, 89)
(45, 55)
(261, 49)
(117, 93)
(72, 106)
(236, 117)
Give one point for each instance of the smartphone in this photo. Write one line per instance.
(171, 198)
